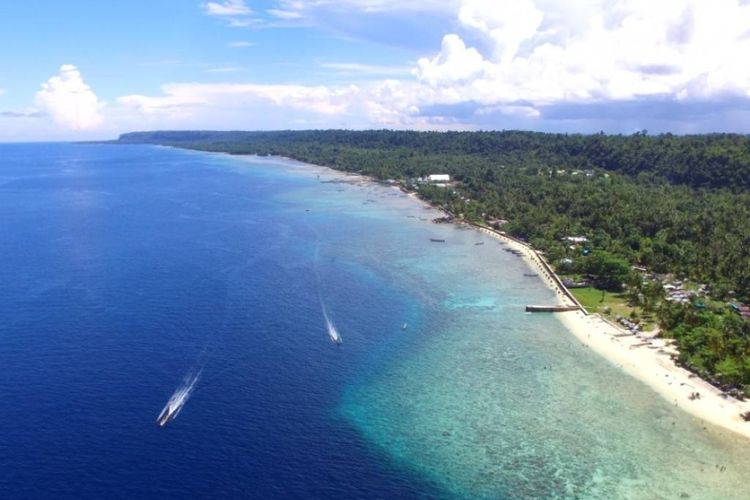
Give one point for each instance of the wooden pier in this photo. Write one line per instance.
(551, 309)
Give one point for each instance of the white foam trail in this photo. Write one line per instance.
(178, 399)
(333, 333)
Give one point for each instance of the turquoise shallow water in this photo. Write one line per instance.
(489, 401)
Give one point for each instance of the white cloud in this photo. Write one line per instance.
(190, 98)
(227, 8)
(285, 14)
(508, 23)
(388, 103)
(26, 113)
(235, 12)
(504, 61)
(346, 17)
(224, 69)
(455, 62)
(541, 53)
(71, 103)
(240, 45)
(244, 22)
(369, 6)
(354, 68)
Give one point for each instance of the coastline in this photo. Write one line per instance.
(647, 359)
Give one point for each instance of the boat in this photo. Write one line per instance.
(479, 243)
(177, 401)
(404, 326)
(333, 334)
(168, 414)
(437, 240)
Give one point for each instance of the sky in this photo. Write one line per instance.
(78, 69)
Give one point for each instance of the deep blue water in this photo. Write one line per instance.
(124, 267)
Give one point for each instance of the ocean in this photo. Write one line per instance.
(127, 271)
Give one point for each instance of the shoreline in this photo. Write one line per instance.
(643, 357)
(647, 359)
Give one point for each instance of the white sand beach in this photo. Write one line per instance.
(649, 361)
(642, 356)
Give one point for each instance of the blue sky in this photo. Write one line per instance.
(80, 70)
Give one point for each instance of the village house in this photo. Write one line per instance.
(576, 239)
(438, 178)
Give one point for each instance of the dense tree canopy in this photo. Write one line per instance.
(708, 161)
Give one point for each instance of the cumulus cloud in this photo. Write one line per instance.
(69, 101)
(455, 62)
(508, 23)
(519, 56)
(504, 62)
(551, 51)
(181, 100)
(386, 103)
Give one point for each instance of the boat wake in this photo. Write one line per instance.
(333, 333)
(178, 400)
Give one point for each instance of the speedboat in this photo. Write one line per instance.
(333, 333)
(168, 414)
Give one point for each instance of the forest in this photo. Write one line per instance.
(666, 205)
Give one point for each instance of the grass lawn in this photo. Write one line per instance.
(607, 304)
(596, 301)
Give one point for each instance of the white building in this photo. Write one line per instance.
(576, 239)
(438, 178)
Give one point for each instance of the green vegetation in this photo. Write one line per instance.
(713, 341)
(610, 304)
(677, 205)
(614, 305)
